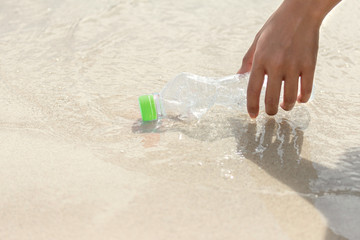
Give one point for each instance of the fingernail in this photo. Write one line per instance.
(287, 107)
(252, 115)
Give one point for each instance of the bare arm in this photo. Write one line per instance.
(285, 48)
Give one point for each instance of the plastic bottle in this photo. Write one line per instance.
(190, 96)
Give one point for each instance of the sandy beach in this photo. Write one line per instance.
(76, 162)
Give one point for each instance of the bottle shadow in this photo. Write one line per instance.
(275, 145)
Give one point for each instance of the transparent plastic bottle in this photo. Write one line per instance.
(189, 96)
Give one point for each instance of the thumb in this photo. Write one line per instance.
(248, 60)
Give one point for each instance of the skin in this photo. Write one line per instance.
(285, 49)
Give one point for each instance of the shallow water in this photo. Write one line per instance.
(76, 162)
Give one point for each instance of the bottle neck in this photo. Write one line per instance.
(159, 106)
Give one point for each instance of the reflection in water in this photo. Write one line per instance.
(275, 144)
(276, 148)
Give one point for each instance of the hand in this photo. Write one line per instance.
(285, 49)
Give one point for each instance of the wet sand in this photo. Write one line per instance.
(76, 162)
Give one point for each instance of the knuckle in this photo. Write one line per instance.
(308, 64)
(276, 63)
(259, 57)
(292, 68)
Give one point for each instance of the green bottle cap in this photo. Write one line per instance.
(147, 108)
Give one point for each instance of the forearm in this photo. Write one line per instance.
(314, 10)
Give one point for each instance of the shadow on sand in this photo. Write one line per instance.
(275, 146)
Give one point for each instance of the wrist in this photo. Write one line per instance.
(314, 10)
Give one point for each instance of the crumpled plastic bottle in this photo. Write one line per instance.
(189, 96)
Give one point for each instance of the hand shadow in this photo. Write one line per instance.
(275, 146)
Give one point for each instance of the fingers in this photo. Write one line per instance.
(253, 91)
(273, 93)
(290, 91)
(307, 78)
